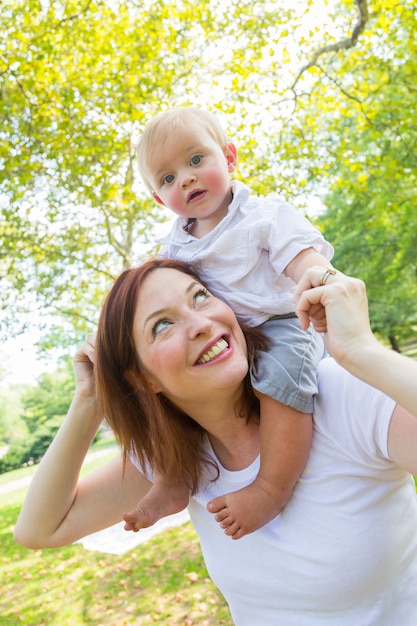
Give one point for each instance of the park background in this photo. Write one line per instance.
(319, 97)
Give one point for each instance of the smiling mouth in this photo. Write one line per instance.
(214, 351)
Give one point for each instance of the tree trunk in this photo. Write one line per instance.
(393, 342)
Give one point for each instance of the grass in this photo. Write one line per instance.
(162, 581)
(103, 445)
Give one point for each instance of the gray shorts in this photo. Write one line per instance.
(288, 371)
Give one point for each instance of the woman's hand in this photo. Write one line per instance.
(84, 367)
(339, 307)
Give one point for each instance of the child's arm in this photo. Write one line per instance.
(303, 261)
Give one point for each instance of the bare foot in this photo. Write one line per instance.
(244, 511)
(163, 499)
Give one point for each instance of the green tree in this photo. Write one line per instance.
(76, 79)
(50, 399)
(43, 409)
(352, 135)
(310, 98)
(11, 425)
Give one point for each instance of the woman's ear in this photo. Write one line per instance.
(132, 376)
(156, 388)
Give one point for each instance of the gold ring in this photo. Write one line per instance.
(327, 273)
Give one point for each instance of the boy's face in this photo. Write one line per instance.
(190, 174)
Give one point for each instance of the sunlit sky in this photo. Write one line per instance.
(20, 362)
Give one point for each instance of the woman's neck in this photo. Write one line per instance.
(234, 439)
(236, 444)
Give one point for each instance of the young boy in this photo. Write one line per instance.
(251, 251)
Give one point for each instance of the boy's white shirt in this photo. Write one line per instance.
(244, 258)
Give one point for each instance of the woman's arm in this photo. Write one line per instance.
(60, 508)
(340, 309)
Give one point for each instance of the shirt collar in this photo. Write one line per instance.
(240, 196)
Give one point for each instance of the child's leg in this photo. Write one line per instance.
(285, 440)
(164, 498)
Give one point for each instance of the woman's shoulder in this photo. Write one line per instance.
(350, 411)
(337, 385)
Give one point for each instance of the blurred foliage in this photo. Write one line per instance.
(29, 450)
(11, 425)
(318, 96)
(42, 410)
(50, 398)
(358, 139)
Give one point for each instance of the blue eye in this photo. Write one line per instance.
(159, 326)
(167, 180)
(195, 160)
(201, 295)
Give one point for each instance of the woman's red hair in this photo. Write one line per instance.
(144, 422)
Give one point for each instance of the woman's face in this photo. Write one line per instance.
(189, 343)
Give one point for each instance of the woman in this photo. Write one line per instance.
(343, 551)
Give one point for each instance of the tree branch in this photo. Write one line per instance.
(347, 94)
(70, 18)
(344, 44)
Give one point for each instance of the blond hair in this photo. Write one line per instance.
(167, 121)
